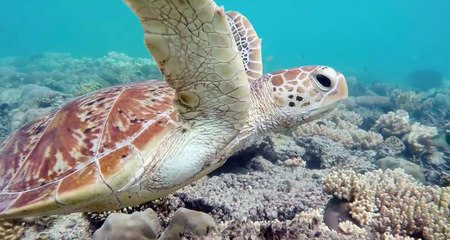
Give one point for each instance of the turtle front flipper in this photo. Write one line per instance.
(248, 44)
(196, 52)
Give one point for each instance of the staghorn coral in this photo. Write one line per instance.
(135, 226)
(418, 140)
(392, 202)
(342, 127)
(393, 124)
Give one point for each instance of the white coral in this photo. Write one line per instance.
(393, 123)
(342, 127)
(418, 139)
(391, 202)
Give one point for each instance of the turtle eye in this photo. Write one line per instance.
(323, 82)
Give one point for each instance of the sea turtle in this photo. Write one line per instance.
(129, 144)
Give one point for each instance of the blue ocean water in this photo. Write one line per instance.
(381, 40)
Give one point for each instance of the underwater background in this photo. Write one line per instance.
(383, 39)
(378, 167)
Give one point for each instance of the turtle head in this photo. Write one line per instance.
(306, 93)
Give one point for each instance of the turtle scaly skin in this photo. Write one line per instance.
(129, 144)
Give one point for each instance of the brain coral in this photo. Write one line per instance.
(393, 203)
(135, 226)
(186, 220)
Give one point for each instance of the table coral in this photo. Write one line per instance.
(392, 202)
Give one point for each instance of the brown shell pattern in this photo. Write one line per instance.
(91, 133)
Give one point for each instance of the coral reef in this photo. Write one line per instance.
(391, 146)
(418, 140)
(342, 127)
(393, 124)
(71, 226)
(10, 230)
(379, 101)
(33, 86)
(411, 101)
(251, 179)
(323, 153)
(272, 190)
(409, 167)
(305, 225)
(393, 202)
(279, 147)
(63, 73)
(135, 226)
(416, 137)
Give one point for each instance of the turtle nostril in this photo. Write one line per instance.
(323, 80)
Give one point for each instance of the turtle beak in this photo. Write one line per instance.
(339, 92)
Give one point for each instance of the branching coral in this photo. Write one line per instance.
(393, 124)
(392, 202)
(416, 137)
(10, 230)
(418, 140)
(342, 127)
(410, 101)
(305, 225)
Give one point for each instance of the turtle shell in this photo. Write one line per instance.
(92, 146)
